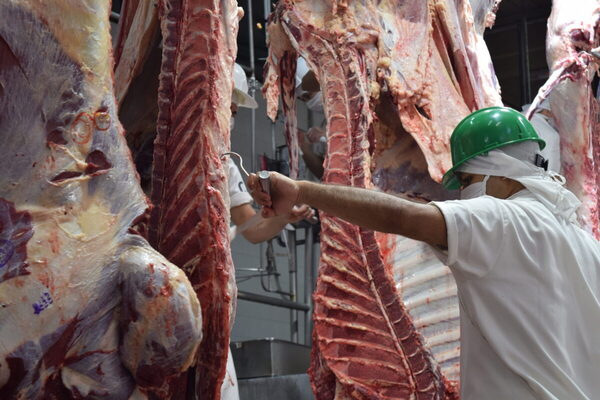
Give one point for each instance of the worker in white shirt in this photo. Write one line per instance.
(254, 228)
(528, 276)
(240, 199)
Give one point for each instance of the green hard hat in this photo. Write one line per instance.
(485, 130)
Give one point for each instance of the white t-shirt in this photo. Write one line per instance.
(238, 194)
(529, 291)
(229, 388)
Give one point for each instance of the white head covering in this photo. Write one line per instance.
(546, 129)
(544, 105)
(240, 89)
(301, 70)
(517, 162)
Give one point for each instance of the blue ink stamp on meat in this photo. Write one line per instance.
(7, 249)
(44, 303)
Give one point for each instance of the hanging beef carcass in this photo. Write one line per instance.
(396, 77)
(190, 220)
(138, 36)
(573, 58)
(87, 310)
(137, 66)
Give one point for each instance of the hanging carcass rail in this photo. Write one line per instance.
(189, 223)
(87, 310)
(396, 77)
(573, 58)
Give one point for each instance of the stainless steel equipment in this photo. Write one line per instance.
(269, 357)
(288, 387)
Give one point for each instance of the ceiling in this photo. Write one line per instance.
(517, 44)
(512, 8)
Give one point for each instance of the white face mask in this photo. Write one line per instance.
(474, 190)
(315, 103)
(231, 123)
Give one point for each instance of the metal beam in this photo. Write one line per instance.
(309, 281)
(253, 83)
(535, 14)
(524, 62)
(293, 281)
(271, 301)
(114, 17)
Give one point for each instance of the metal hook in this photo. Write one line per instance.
(240, 159)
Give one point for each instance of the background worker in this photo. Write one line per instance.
(246, 222)
(528, 276)
(240, 207)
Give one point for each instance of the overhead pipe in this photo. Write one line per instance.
(271, 301)
(309, 249)
(293, 281)
(524, 61)
(253, 83)
(114, 17)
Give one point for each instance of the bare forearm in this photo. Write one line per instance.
(265, 229)
(366, 208)
(377, 211)
(361, 207)
(259, 231)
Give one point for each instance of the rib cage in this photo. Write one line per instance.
(190, 221)
(428, 292)
(362, 332)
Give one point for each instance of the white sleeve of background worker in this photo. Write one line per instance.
(230, 387)
(529, 291)
(238, 194)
